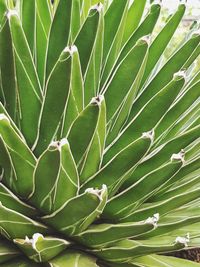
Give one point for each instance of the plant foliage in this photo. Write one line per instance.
(99, 136)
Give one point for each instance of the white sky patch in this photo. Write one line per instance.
(172, 4)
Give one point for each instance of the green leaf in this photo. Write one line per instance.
(145, 28)
(72, 258)
(105, 234)
(144, 120)
(162, 207)
(162, 40)
(116, 43)
(177, 222)
(163, 261)
(40, 248)
(54, 100)
(85, 124)
(76, 20)
(4, 111)
(3, 9)
(22, 262)
(86, 37)
(15, 225)
(7, 70)
(115, 172)
(164, 76)
(188, 168)
(81, 211)
(123, 111)
(113, 19)
(128, 200)
(135, 13)
(183, 103)
(21, 158)
(123, 78)
(9, 200)
(126, 250)
(76, 96)
(93, 157)
(29, 90)
(160, 156)
(59, 34)
(92, 75)
(28, 18)
(43, 23)
(59, 181)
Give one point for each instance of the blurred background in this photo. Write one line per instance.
(190, 22)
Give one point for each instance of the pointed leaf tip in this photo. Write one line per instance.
(179, 75)
(179, 156)
(58, 144)
(153, 220)
(183, 240)
(12, 12)
(97, 100)
(70, 49)
(98, 7)
(149, 135)
(97, 192)
(144, 40)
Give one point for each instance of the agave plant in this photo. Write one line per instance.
(99, 135)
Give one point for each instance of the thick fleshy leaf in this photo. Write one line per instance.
(162, 207)
(43, 23)
(126, 250)
(145, 28)
(7, 70)
(188, 168)
(123, 78)
(21, 158)
(182, 104)
(76, 96)
(116, 43)
(15, 225)
(94, 154)
(29, 90)
(164, 76)
(22, 261)
(28, 19)
(114, 17)
(72, 258)
(3, 9)
(149, 117)
(122, 114)
(159, 157)
(162, 261)
(134, 17)
(176, 222)
(105, 234)
(59, 34)
(76, 19)
(81, 211)
(129, 200)
(162, 40)
(55, 178)
(9, 200)
(55, 100)
(92, 75)
(86, 37)
(83, 129)
(40, 248)
(115, 172)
